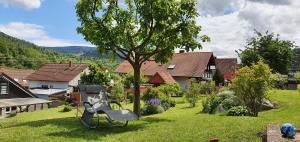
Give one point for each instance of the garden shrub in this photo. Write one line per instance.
(298, 87)
(222, 101)
(152, 106)
(193, 93)
(237, 111)
(117, 91)
(211, 103)
(162, 93)
(169, 90)
(204, 88)
(251, 85)
(67, 108)
(151, 93)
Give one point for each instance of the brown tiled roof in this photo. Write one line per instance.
(190, 64)
(18, 75)
(162, 77)
(57, 72)
(226, 65)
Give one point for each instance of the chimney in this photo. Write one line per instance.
(181, 51)
(70, 63)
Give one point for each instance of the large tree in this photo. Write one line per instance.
(137, 30)
(274, 51)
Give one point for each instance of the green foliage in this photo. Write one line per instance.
(152, 109)
(222, 101)
(238, 111)
(192, 95)
(218, 77)
(16, 53)
(97, 75)
(297, 75)
(275, 52)
(67, 108)
(151, 93)
(117, 89)
(298, 87)
(281, 80)
(166, 104)
(169, 90)
(140, 30)
(210, 104)
(128, 80)
(251, 85)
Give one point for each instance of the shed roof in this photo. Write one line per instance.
(57, 72)
(162, 77)
(18, 75)
(21, 102)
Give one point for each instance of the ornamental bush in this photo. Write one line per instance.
(211, 103)
(221, 102)
(151, 109)
(192, 95)
(237, 111)
(67, 108)
(251, 85)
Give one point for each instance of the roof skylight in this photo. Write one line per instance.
(171, 66)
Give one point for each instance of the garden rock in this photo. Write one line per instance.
(267, 105)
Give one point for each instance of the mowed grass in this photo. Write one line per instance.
(177, 124)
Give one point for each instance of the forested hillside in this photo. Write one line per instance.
(16, 53)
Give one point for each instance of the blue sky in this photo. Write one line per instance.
(55, 17)
(229, 23)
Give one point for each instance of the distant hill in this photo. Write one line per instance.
(82, 51)
(73, 49)
(16, 53)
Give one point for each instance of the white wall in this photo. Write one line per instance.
(182, 81)
(56, 85)
(74, 82)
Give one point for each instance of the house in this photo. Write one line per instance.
(182, 67)
(56, 79)
(227, 67)
(14, 98)
(18, 75)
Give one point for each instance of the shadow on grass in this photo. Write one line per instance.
(155, 120)
(70, 127)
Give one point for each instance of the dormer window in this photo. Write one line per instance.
(171, 66)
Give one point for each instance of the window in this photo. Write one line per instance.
(171, 66)
(8, 109)
(3, 88)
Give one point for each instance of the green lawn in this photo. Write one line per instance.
(177, 124)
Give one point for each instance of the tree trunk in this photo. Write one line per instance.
(136, 82)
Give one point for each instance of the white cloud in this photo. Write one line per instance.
(230, 31)
(25, 4)
(34, 33)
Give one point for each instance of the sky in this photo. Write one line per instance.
(229, 23)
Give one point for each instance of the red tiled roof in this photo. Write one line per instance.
(191, 64)
(57, 72)
(162, 77)
(18, 75)
(226, 65)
